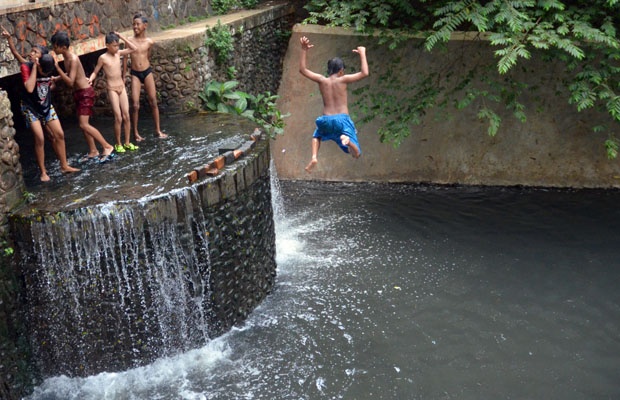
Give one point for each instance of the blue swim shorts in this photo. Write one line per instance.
(33, 117)
(330, 127)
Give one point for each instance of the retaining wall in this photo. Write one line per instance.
(555, 147)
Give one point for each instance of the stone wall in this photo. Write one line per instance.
(182, 63)
(13, 348)
(87, 22)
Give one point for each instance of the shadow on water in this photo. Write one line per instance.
(157, 167)
(412, 292)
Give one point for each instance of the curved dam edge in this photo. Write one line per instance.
(555, 147)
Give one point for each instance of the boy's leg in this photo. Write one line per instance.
(353, 149)
(136, 85)
(124, 107)
(92, 134)
(39, 148)
(316, 145)
(92, 148)
(59, 145)
(151, 95)
(118, 116)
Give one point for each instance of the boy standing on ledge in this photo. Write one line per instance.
(83, 95)
(335, 123)
(142, 73)
(110, 61)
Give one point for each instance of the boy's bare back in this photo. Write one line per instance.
(334, 87)
(76, 70)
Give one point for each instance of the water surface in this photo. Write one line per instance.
(157, 167)
(414, 292)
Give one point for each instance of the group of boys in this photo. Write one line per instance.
(334, 123)
(39, 81)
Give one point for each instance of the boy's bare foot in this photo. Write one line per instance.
(45, 177)
(69, 168)
(346, 141)
(311, 165)
(161, 135)
(108, 150)
(139, 138)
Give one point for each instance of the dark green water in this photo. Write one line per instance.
(410, 292)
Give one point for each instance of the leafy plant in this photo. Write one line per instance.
(262, 109)
(220, 40)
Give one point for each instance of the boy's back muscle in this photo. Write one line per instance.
(80, 81)
(334, 93)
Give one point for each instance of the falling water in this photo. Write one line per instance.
(140, 274)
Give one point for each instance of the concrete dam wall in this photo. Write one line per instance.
(555, 147)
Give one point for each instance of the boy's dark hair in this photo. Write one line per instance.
(334, 66)
(142, 18)
(111, 37)
(61, 39)
(47, 64)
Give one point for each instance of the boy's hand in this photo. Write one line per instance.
(360, 50)
(5, 33)
(305, 43)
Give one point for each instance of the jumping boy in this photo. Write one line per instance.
(110, 61)
(142, 73)
(335, 123)
(37, 108)
(83, 94)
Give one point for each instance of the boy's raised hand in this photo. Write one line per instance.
(305, 43)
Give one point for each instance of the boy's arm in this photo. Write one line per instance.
(30, 81)
(303, 68)
(131, 46)
(363, 73)
(69, 79)
(9, 40)
(93, 76)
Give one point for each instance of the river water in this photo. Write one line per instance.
(413, 292)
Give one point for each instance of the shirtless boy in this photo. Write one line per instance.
(110, 61)
(335, 123)
(83, 94)
(142, 73)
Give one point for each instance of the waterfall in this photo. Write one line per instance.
(138, 273)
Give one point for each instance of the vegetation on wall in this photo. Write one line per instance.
(220, 40)
(224, 6)
(262, 109)
(582, 34)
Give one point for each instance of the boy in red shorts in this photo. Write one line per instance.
(83, 94)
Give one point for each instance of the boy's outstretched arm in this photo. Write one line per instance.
(363, 73)
(303, 68)
(9, 40)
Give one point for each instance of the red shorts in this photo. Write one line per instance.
(84, 101)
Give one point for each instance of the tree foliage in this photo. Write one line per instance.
(580, 33)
